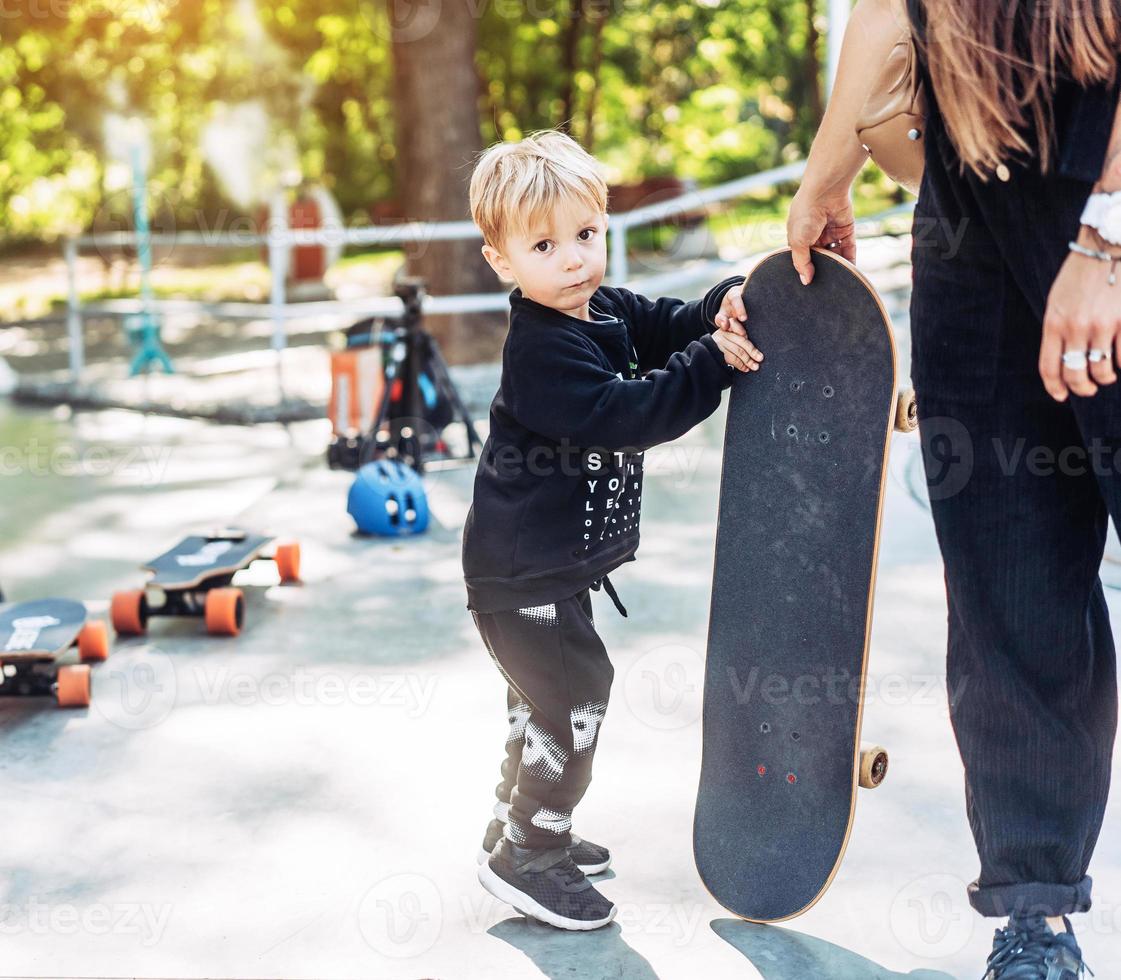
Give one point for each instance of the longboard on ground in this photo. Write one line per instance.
(35, 636)
(194, 579)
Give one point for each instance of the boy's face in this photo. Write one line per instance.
(561, 263)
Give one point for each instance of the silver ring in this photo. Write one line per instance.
(1075, 360)
(1096, 354)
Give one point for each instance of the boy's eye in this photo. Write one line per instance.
(541, 247)
(586, 234)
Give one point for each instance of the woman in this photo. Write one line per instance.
(1015, 333)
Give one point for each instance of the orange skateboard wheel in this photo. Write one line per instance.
(287, 559)
(129, 612)
(93, 641)
(225, 610)
(73, 689)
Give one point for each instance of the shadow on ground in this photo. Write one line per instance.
(782, 954)
(557, 953)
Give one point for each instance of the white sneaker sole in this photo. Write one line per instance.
(505, 892)
(588, 869)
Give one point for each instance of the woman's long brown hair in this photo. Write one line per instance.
(994, 65)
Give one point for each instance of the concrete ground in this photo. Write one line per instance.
(306, 800)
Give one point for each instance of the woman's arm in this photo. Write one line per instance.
(837, 154)
(821, 211)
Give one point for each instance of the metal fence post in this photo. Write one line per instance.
(77, 349)
(618, 251)
(278, 271)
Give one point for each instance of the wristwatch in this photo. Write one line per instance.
(1103, 214)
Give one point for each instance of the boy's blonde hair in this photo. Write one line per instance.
(515, 184)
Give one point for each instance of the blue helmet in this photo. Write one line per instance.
(387, 497)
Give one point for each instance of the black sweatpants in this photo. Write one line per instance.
(1021, 488)
(559, 679)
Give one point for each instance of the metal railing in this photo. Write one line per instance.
(280, 239)
(689, 201)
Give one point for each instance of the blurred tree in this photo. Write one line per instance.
(705, 89)
(710, 89)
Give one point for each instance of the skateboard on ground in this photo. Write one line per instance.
(801, 495)
(193, 579)
(35, 635)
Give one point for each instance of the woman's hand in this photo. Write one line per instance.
(1083, 315)
(819, 218)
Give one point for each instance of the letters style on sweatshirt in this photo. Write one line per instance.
(559, 485)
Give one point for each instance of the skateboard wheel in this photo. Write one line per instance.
(873, 765)
(287, 559)
(906, 411)
(93, 641)
(225, 611)
(73, 686)
(129, 612)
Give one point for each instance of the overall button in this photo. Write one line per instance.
(1004, 173)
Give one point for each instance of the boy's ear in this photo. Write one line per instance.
(498, 263)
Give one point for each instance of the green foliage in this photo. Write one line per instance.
(705, 89)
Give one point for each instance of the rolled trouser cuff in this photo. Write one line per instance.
(1031, 898)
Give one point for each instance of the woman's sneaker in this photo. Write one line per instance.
(545, 885)
(1027, 949)
(592, 859)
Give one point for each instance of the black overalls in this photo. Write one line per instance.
(1021, 488)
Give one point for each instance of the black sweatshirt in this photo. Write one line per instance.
(559, 483)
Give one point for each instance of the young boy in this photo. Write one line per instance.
(591, 377)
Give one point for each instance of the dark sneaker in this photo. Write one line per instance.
(592, 859)
(545, 885)
(1027, 949)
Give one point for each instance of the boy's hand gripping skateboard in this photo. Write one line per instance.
(801, 495)
(35, 635)
(193, 579)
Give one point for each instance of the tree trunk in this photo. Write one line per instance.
(598, 20)
(576, 17)
(436, 112)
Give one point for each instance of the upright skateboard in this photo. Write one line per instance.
(193, 579)
(35, 635)
(801, 495)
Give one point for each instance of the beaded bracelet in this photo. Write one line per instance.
(1093, 253)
